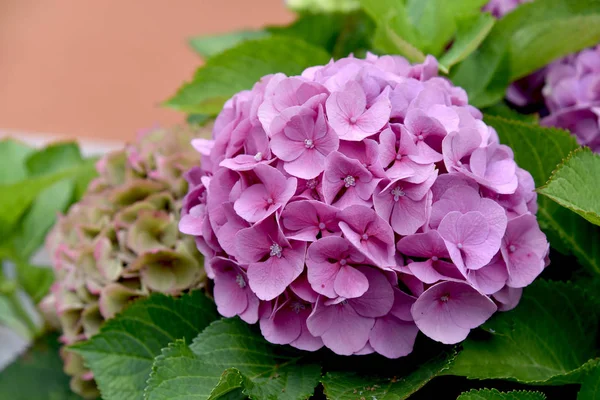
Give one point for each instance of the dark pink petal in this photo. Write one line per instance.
(447, 311)
(340, 327)
(428, 244)
(490, 278)
(393, 338)
(270, 278)
(284, 325)
(378, 299)
(508, 298)
(230, 289)
(369, 234)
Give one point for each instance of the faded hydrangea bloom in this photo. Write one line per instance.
(358, 203)
(572, 95)
(121, 241)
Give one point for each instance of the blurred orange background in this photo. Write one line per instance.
(99, 69)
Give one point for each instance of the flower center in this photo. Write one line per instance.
(321, 225)
(311, 184)
(258, 156)
(459, 163)
(397, 192)
(398, 156)
(512, 248)
(270, 200)
(459, 245)
(239, 279)
(308, 143)
(275, 250)
(349, 181)
(420, 137)
(365, 236)
(343, 261)
(296, 306)
(444, 298)
(352, 120)
(434, 258)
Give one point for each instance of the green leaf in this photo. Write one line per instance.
(493, 394)
(536, 44)
(548, 339)
(574, 184)
(10, 318)
(394, 33)
(52, 158)
(18, 196)
(323, 5)
(209, 46)
(269, 372)
(531, 36)
(121, 355)
(240, 68)
(471, 31)
(539, 150)
(230, 386)
(590, 387)
(12, 160)
(41, 217)
(36, 281)
(501, 109)
(351, 385)
(37, 375)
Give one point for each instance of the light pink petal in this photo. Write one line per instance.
(490, 278)
(286, 149)
(377, 115)
(253, 204)
(408, 215)
(447, 311)
(350, 283)
(308, 166)
(508, 298)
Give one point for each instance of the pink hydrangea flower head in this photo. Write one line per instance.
(359, 203)
(572, 95)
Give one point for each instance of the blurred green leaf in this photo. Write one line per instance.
(12, 161)
(590, 387)
(41, 217)
(323, 5)
(53, 158)
(37, 375)
(18, 197)
(529, 37)
(471, 31)
(540, 150)
(36, 281)
(209, 46)
(240, 68)
(493, 394)
(574, 184)
(10, 318)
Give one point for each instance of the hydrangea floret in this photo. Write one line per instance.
(360, 203)
(121, 241)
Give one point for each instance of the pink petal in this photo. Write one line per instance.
(393, 338)
(447, 311)
(378, 299)
(350, 283)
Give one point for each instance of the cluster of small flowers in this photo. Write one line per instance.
(121, 241)
(569, 88)
(572, 96)
(359, 203)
